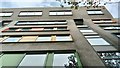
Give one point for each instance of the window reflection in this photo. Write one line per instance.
(65, 60)
(33, 60)
(112, 59)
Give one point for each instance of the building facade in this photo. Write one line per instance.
(64, 37)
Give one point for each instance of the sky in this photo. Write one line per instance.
(112, 7)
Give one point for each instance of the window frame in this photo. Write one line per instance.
(5, 21)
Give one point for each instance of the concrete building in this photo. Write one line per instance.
(53, 34)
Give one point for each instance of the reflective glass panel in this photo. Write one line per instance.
(97, 41)
(63, 59)
(33, 60)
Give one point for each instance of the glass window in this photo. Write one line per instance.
(93, 33)
(97, 41)
(41, 22)
(12, 39)
(45, 38)
(6, 14)
(11, 59)
(94, 12)
(23, 13)
(33, 60)
(91, 36)
(111, 59)
(36, 29)
(38, 13)
(102, 21)
(31, 13)
(68, 13)
(90, 12)
(63, 38)
(114, 27)
(86, 31)
(98, 12)
(60, 13)
(2, 14)
(25, 29)
(63, 59)
(52, 13)
(28, 38)
(60, 22)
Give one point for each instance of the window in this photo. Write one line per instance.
(30, 13)
(34, 29)
(45, 38)
(92, 36)
(36, 38)
(33, 60)
(41, 59)
(5, 14)
(11, 59)
(114, 28)
(111, 59)
(97, 41)
(86, 31)
(28, 39)
(103, 21)
(90, 33)
(82, 26)
(63, 22)
(63, 38)
(12, 39)
(61, 13)
(63, 59)
(94, 12)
